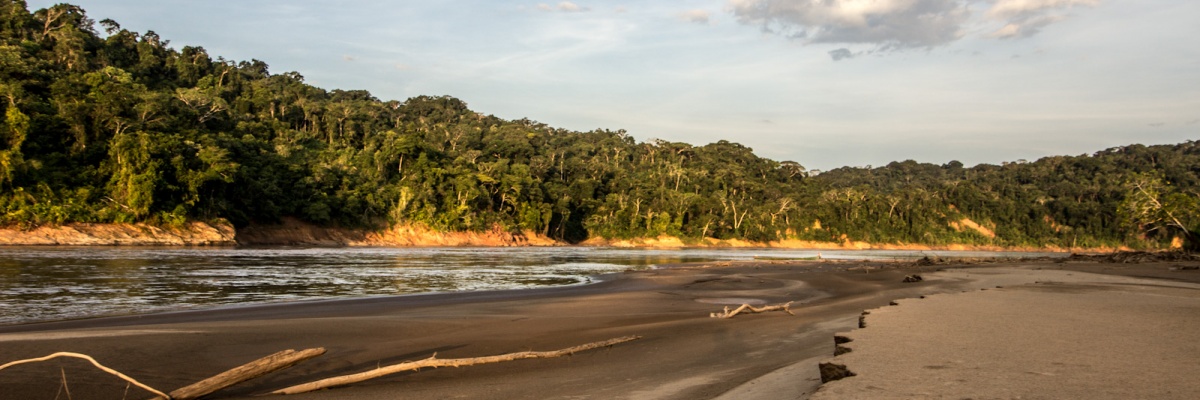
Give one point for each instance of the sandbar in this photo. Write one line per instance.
(683, 353)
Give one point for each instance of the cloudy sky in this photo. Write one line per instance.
(827, 83)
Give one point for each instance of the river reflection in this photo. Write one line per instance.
(54, 283)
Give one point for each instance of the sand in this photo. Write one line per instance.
(684, 354)
(1069, 335)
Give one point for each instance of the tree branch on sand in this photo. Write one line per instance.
(245, 372)
(749, 309)
(94, 362)
(434, 362)
(288, 358)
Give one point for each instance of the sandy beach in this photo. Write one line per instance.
(683, 353)
(1070, 335)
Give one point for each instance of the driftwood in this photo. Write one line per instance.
(94, 362)
(288, 358)
(434, 362)
(749, 309)
(248, 371)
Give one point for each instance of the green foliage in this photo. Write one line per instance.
(1155, 208)
(122, 127)
(12, 136)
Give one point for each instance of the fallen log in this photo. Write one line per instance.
(94, 362)
(749, 309)
(434, 362)
(245, 372)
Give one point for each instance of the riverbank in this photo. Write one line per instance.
(293, 232)
(674, 242)
(217, 233)
(289, 232)
(683, 353)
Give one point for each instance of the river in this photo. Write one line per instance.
(57, 283)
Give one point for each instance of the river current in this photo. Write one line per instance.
(56, 283)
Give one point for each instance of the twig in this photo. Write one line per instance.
(66, 387)
(94, 362)
(434, 362)
(749, 309)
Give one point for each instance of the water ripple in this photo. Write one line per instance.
(54, 283)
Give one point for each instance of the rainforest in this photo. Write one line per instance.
(104, 125)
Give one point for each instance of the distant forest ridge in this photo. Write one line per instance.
(120, 127)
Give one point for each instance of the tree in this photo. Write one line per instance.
(1155, 206)
(12, 136)
(125, 128)
(135, 175)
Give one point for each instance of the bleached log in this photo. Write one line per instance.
(248, 371)
(749, 309)
(434, 362)
(94, 362)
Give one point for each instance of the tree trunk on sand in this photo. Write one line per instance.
(248, 371)
(434, 362)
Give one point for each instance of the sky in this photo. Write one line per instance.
(826, 83)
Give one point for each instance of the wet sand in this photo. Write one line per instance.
(683, 354)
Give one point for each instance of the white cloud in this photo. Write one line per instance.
(702, 17)
(1025, 27)
(564, 6)
(1024, 18)
(900, 24)
(1013, 8)
(888, 24)
(1009, 30)
(569, 7)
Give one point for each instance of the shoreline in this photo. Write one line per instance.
(43, 310)
(293, 232)
(448, 297)
(849, 264)
(310, 307)
(658, 304)
(684, 354)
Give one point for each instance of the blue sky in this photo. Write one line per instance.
(825, 83)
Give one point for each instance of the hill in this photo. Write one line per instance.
(119, 127)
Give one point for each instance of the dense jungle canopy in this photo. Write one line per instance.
(101, 124)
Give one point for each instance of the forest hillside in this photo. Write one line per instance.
(104, 125)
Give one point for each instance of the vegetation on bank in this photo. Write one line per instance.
(117, 126)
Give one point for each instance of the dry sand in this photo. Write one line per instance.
(684, 354)
(1069, 335)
